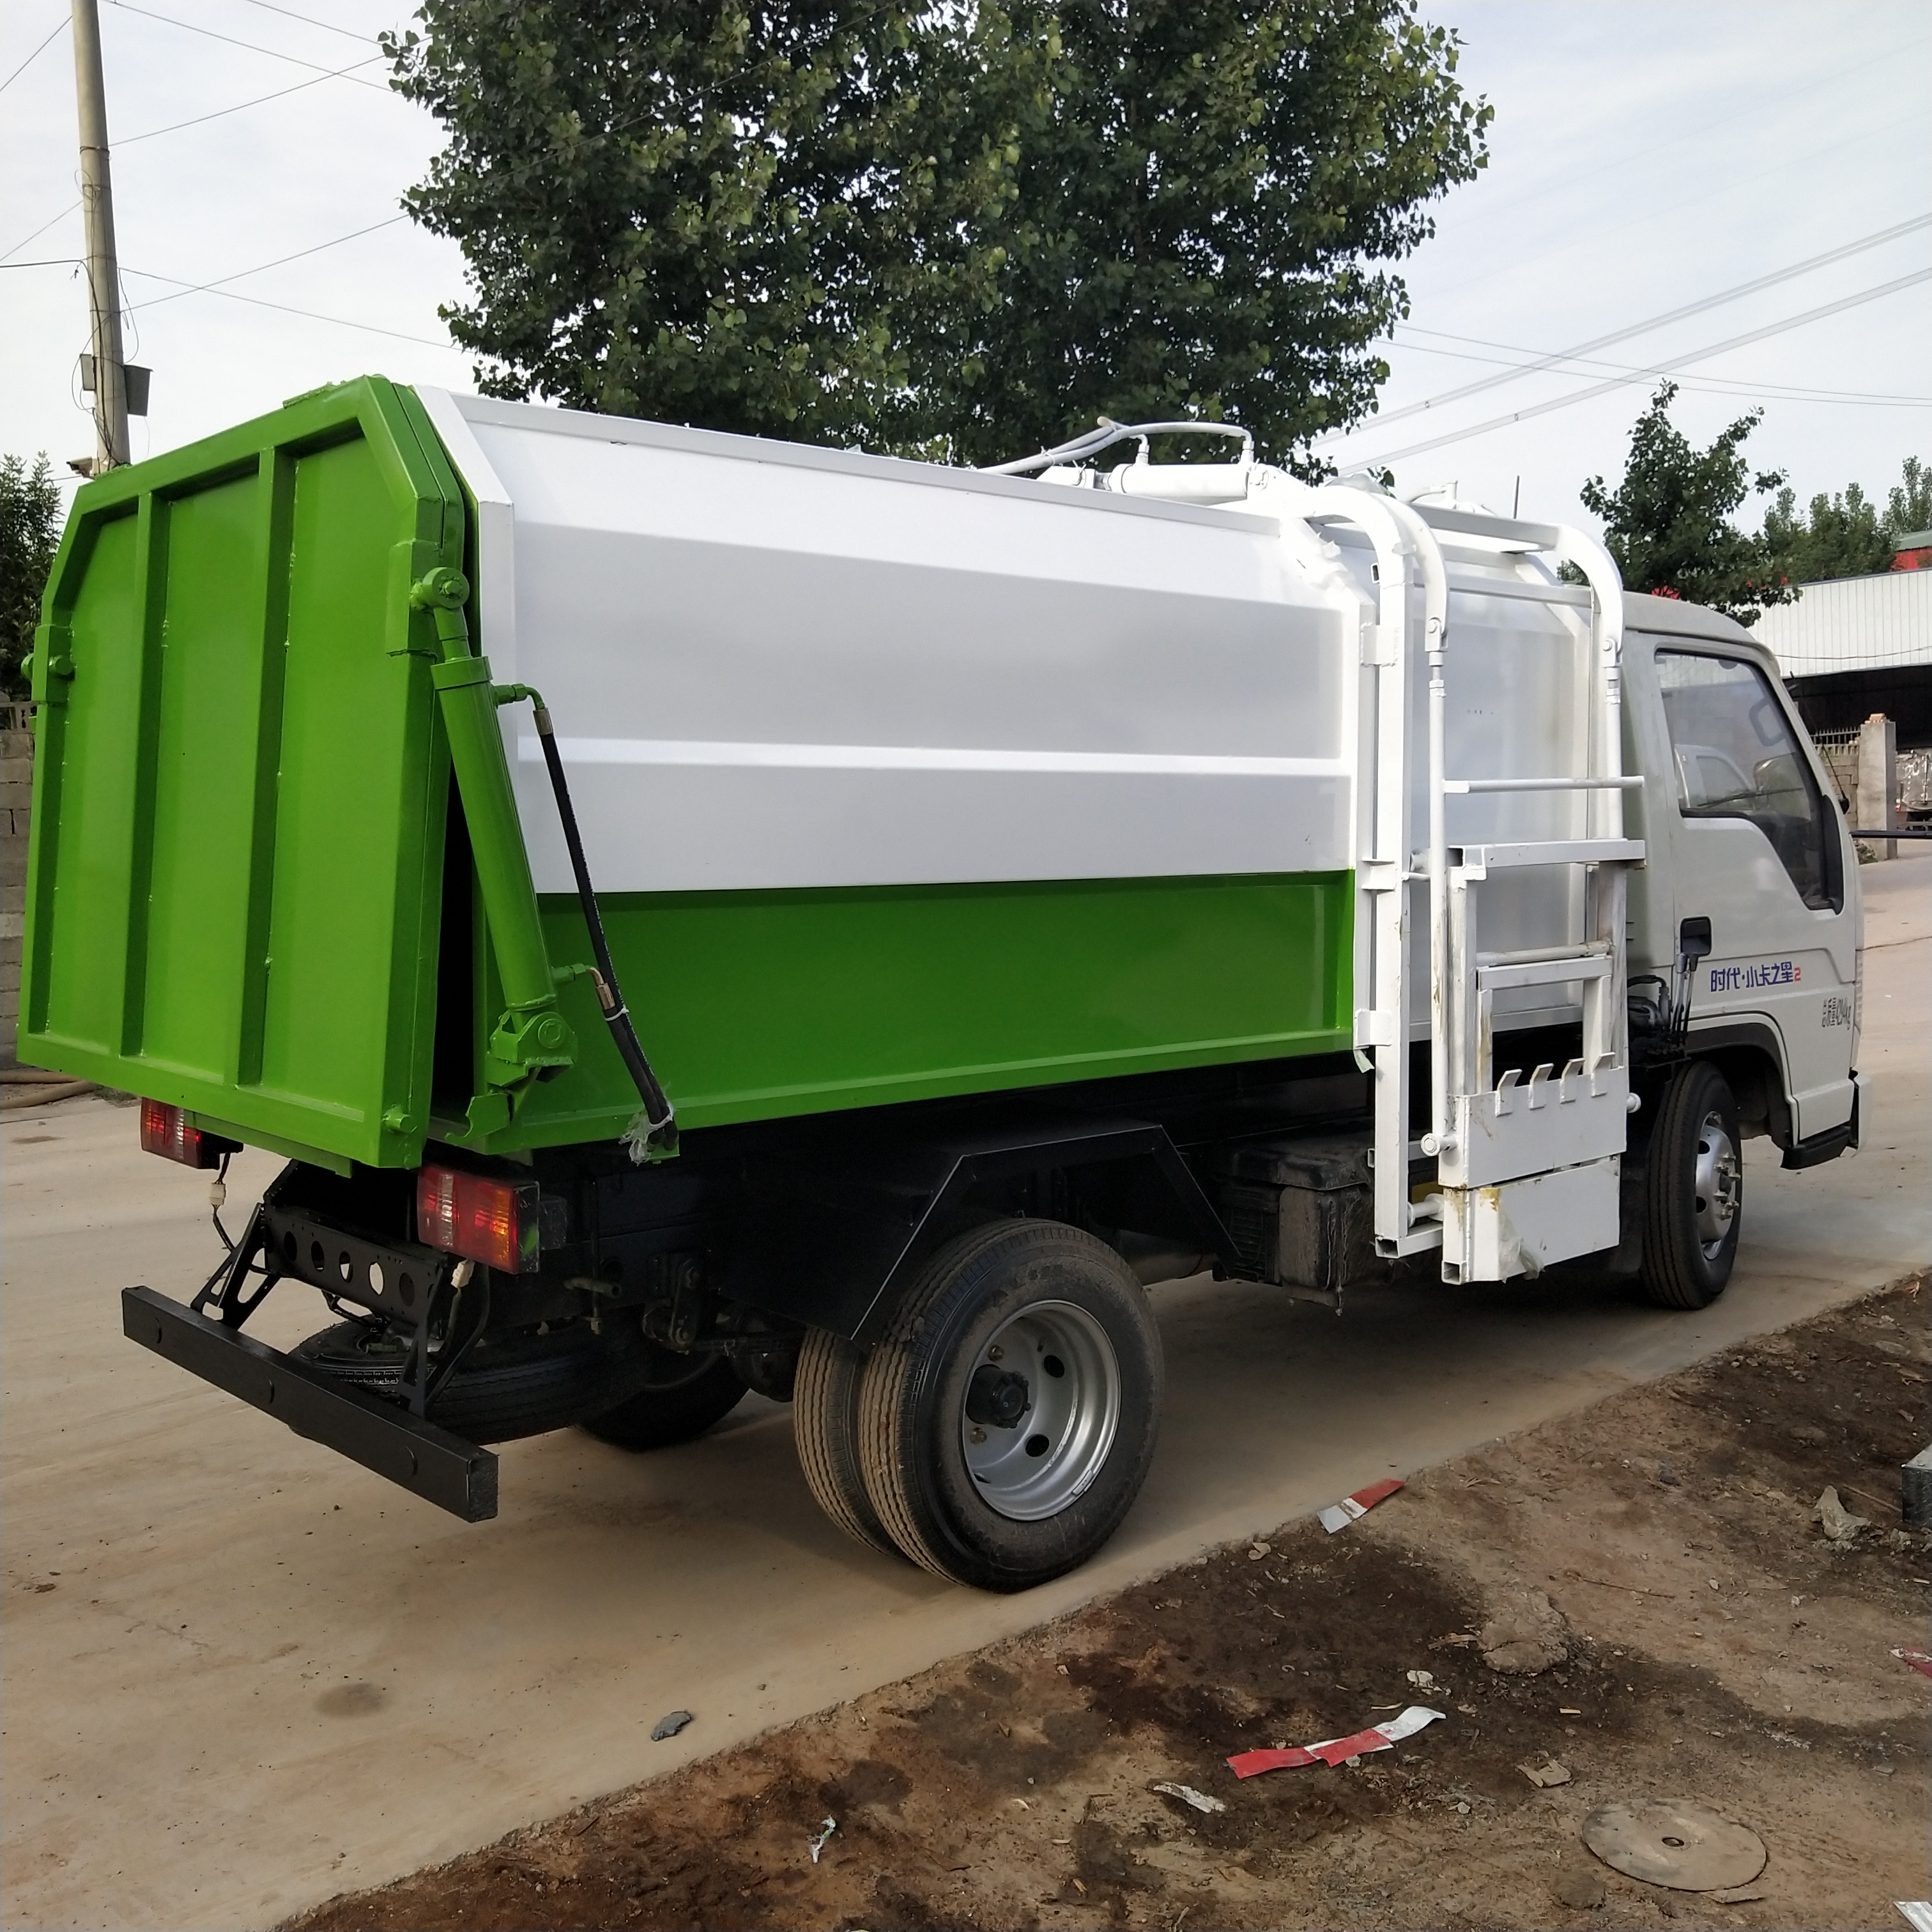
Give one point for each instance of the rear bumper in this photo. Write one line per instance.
(428, 1462)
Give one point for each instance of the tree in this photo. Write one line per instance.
(30, 523)
(1668, 523)
(1195, 223)
(1838, 536)
(1909, 510)
(710, 210)
(952, 230)
(1846, 535)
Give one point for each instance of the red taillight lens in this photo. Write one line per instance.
(165, 1131)
(492, 1221)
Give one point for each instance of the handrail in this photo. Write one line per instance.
(1435, 624)
(1110, 432)
(1600, 571)
(1398, 534)
(1461, 786)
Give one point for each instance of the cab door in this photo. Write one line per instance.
(1758, 850)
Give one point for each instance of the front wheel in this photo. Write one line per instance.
(1008, 1417)
(1694, 1206)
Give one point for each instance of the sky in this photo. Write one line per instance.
(1646, 155)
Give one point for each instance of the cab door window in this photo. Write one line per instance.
(1738, 757)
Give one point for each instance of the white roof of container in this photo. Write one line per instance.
(1853, 623)
(774, 667)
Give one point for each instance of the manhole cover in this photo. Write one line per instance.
(1669, 1842)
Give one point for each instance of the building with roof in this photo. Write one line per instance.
(1858, 645)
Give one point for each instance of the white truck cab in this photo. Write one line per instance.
(1752, 865)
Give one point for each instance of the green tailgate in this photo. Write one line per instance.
(234, 891)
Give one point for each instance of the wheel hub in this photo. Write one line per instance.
(1035, 1434)
(996, 1397)
(1718, 1184)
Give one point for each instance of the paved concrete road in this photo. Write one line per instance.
(260, 1675)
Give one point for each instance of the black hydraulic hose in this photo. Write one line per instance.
(660, 1121)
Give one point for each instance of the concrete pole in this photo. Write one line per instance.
(103, 274)
(1877, 801)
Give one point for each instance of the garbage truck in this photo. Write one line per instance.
(697, 914)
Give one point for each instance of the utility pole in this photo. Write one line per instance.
(103, 273)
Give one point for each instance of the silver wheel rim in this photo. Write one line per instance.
(1048, 1457)
(1719, 1185)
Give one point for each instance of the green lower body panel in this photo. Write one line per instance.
(756, 1005)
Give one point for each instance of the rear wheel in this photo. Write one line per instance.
(1694, 1206)
(680, 1397)
(825, 1425)
(1008, 1418)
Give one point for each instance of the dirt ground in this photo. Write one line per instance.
(1720, 1649)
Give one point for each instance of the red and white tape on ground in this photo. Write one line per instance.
(1338, 1515)
(1336, 1750)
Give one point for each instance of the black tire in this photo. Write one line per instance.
(679, 1397)
(1066, 1426)
(825, 1426)
(505, 1386)
(1693, 1198)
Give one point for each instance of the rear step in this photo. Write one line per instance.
(428, 1462)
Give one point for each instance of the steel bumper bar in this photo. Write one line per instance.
(429, 1462)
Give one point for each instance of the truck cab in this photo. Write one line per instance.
(1751, 855)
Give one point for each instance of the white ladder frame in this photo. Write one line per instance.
(1480, 1136)
(1408, 559)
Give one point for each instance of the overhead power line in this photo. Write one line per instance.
(32, 57)
(1645, 327)
(1809, 392)
(253, 47)
(286, 308)
(176, 126)
(262, 268)
(39, 231)
(290, 13)
(281, 93)
(1664, 368)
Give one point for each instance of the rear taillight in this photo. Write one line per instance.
(165, 1131)
(487, 1220)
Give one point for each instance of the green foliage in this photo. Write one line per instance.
(954, 231)
(1846, 535)
(1909, 510)
(1838, 536)
(1194, 223)
(30, 526)
(712, 212)
(1668, 523)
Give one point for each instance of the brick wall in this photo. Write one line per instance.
(16, 794)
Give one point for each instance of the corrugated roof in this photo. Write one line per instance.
(1852, 623)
